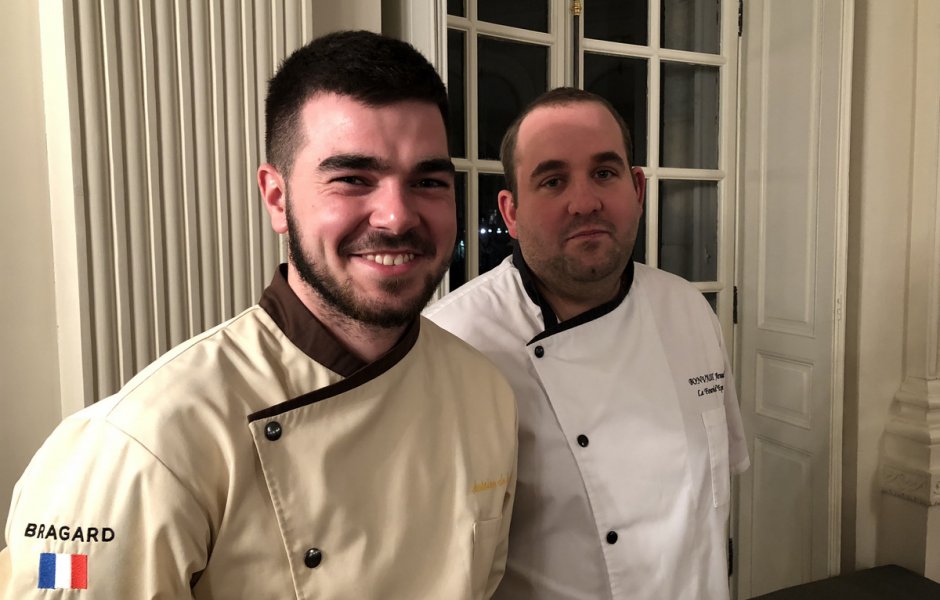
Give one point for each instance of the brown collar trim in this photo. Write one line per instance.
(371, 371)
(315, 340)
(303, 329)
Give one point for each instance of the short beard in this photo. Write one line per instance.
(341, 298)
(568, 270)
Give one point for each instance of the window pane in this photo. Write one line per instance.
(456, 93)
(455, 7)
(458, 264)
(692, 25)
(527, 14)
(639, 248)
(494, 237)
(689, 105)
(624, 21)
(622, 81)
(511, 75)
(712, 298)
(688, 229)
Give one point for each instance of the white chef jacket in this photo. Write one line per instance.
(629, 429)
(262, 460)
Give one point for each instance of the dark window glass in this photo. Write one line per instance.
(623, 82)
(456, 93)
(511, 74)
(688, 229)
(624, 21)
(639, 248)
(712, 298)
(525, 14)
(494, 237)
(458, 263)
(455, 7)
(689, 109)
(693, 25)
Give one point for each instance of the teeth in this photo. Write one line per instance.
(389, 259)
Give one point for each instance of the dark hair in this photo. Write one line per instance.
(557, 97)
(368, 67)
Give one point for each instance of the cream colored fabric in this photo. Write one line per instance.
(404, 481)
(4, 568)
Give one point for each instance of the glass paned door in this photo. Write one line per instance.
(668, 66)
(500, 56)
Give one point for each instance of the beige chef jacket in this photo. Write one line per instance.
(629, 430)
(262, 460)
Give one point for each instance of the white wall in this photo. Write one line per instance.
(29, 391)
(879, 231)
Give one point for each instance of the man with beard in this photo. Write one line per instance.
(327, 442)
(628, 421)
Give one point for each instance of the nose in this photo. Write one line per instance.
(394, 209)
(584, 198)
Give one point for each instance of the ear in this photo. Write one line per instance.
(508, 209)
(639, 184)
(274, 195)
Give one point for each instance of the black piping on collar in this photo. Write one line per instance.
(550, 320)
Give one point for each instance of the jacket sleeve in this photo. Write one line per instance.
(738, 457)
(97, 511)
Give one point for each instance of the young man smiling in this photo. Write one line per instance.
(327, 442)
(628, 422)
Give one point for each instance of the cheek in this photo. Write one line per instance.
(542, 223)
(333, 224)
(441, 218)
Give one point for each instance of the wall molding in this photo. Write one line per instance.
(920, 487)
(909, 468)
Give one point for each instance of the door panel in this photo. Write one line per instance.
(794, 153)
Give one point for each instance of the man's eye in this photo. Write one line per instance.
(552, 182)
(429, 182)
(604, 174)
(349, 179)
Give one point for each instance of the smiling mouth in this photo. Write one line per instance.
(389, 259)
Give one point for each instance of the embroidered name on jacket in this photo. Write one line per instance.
(708, 383)
(63, 571)
(66, 533)
(490, 484)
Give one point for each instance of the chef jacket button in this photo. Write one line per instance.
(312, 558)
(583, 440)
(611, 537)
(273, 431)
(539, 352)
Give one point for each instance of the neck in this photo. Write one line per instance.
(367, 342)
(571, 301)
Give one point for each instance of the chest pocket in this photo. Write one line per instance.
(485, 539)
(716, 430)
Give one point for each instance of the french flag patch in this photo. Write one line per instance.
(63, 571)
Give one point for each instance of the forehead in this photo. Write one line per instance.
(333, 123)
(568, 131)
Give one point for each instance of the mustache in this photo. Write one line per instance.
(586, 222)
(410, 240)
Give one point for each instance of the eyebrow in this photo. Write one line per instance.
(363, 162)
(555, 164)
(609, 156)
(547, 165)
(435, 165)
(357, 162)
